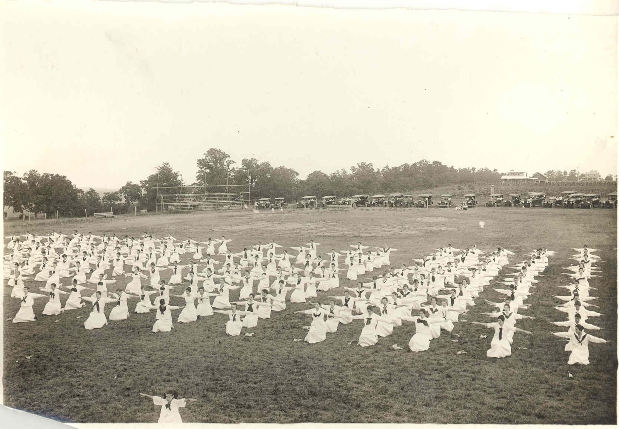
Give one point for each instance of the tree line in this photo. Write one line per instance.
(50, 193)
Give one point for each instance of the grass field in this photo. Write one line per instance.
(95, 376)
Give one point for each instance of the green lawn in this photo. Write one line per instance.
(95, 376)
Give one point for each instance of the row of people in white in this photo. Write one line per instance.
(575, 306)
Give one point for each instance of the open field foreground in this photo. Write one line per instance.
(95, 376)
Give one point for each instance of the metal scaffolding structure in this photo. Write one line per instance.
(189, 198)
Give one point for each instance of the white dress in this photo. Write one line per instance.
(251, 315)
(25, 313)
(318, 328)
(298, 295)
(369, 336)
(500, 346)
(164, 320)
(97, 318)
(189, 313)
(171, 414)
(53, 306)
(580, 348)
(120, 310)
(421, 340)
(234, 324)
(204, 305)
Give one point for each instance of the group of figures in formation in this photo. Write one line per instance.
(431, 293)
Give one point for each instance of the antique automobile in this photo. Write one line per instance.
(445, 201)
(396, 200)
(263, 203)
(408, 200)
(360, 200)
(573, 200)
(328, 200)
(378, 200)
(514, 200)
(550, 202)
(611, 201)
(590, 201)
(307, 202)
(496, 200)
(425, 200)
(345, 201)
(564, 198)
(470, 200)
(279, 203)
(535, 199)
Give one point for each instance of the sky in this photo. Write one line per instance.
(103, 93)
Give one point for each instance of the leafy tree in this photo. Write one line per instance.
(214, 168)
(164, 177)
(131, 193)
(609, 178)
(15, 192)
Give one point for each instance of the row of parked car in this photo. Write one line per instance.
(567, 199)
(362, 200)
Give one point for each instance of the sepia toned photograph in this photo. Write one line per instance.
(241, 213)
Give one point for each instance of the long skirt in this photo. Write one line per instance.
(419, 342)
(95, 321)
(317, 332)
(25, 314)
(368, 337)
(250, 320)
(297, 296)
(204, 308)
(234, 328)
(189, 314)
(499, 348)
(163, 325)
(120, 312)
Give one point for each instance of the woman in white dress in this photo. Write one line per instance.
(75, 298)
(177, 274)
(164, 317)
(234, 325)
(318, 329)
(119, 266)
(298, 295)
(310, 290)
(251, 312)
(145, 305)
(121, 309)
(369, 336)
(97, 318)
(223, 248)
(81, 270)
(579, 346)
(421, 340)
(189, 313)
(500, 346)
(204, 303)
(135, 285)
(222, 300)
(169, 410)
(25, 313)
(53, 306)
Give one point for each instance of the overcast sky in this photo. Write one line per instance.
(104, 93)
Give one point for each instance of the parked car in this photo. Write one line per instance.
(279, 203)
(263, 203)
(590, 201)
(360, 200)
(408, 200)
(564, 199)
(470, 200)
(535, 199)
(550, 202)
(328, 200)
(513, 201)
(378, 201)
(496, 200)
(424, 200)
(345, 201)
(573, 200)
(396, 200)
(445, 201)
(611, 201)
(307, 202)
